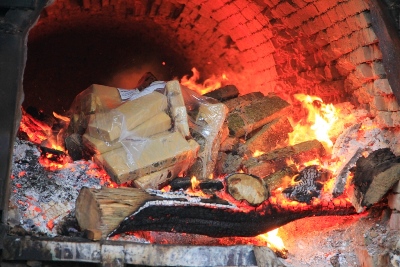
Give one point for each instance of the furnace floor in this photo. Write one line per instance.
(344, 241)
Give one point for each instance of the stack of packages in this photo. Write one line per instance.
(141, 137)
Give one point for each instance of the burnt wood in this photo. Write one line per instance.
(373, 177)
(224, 221)
(119, 210)
(224, 93)
(307, 184)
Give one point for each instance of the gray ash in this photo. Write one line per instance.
(41, 199)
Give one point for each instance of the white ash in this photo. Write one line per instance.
(363, 135)
(358, 140)
(41, 198)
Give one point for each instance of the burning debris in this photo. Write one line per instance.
(229, 166)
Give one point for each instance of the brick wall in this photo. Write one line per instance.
(324, 48)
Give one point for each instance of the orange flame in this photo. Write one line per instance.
(321, 117)
(274, 241)
(257, 153)
(208, 85)
(195, 183)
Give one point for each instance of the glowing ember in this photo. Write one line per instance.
(60, 117)
(208, 85)
(36, 130)
(319, 122)
(258, 153)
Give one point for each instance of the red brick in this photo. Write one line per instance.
(382, 87)
(317, 25)
(262, 19)
(292, 21)
(267, 33)
(244, 43)
(247, 13)
(323, 5)
(264, 50)
(340, 11)
(271, 3)
(363, 20)
(358, 22)
(378, 69)
(250, 55)
(226, 25)
(367, 36)
(267, 59)
(241, 4)
(334, 17)
(254, 25)
(384, 119)
(239, 32)
(327, 20)
(286, 8)
(299, 3)
(258, 38)
(310, 11)
(306, 29)
(336, 32)
(396, 121)
(364, 72)
(353, 7)
(321, 39)
(277, 13)
(365, 54)
(255, 7)
(385, 103)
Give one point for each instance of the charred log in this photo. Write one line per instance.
(308, 184)
(373, 177)
(224, 93)
(182, 213)
(244, 120)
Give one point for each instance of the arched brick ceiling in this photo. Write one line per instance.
(320, 47)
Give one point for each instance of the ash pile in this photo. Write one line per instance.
(41, 199)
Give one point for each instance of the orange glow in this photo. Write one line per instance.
(195, 183)
(208, 85)
(274, 241)
(166, 188)
(36, 130)
(60, 117)
(320, 119)
(257, 153)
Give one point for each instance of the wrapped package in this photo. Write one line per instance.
(207, 131)
(177, 107)
(108, 126)
(96, 98)
(150, 136)
(161, 122)
(143, 156)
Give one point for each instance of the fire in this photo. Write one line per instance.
(195, 183)
(320, 119)
(208, 85)
(274, 241)
(257, 153)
